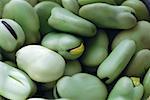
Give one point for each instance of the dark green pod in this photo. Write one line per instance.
(96, 50)
(43, 9)
(11, 35)
(64, 20)
(139, 64)
(115, 63)
(139, 7)
(140, 34)
(24, 14)
(109, 16)
(71, 5)
(69, 46)
(127, 89)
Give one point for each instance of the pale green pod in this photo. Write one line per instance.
(43, 9)
(11, 35)
(81, 86)
(64, 20)
(140, 8)
(96, 50)
(11, 63)
(69, 46)
(85, 2)
(72, 67)
(15, 84)
(24, 14)
(146, 84)
(116, 62)
(71, 5)
(110, 16)
(127, 89)
(40, 63)
(139, 64)
(140, 34)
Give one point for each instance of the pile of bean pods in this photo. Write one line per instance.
(74, 50)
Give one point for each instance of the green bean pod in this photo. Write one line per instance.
(141, 10)
(43, 9)
(15, 84)
(115, 63)
(140, 34)
(64, 20)
(24, 14)
(96, 50)
(69, 46)
(139, 64)
(79, 87)
(146, 84)
(127, 89)
(110, 16)
(71, 5)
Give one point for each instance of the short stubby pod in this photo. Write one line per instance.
(140, 34)
(110, 16)
(40, 63)
(81, 86)
(11, 35)
(146, 84)
(140, 8)
(64, 20)
(72, 67)
(24, 14)
(116, 62)
(85, 2)
(139, 64)
(69, 46)
(71, 5)
(15, 84)
(127, 89)
(43, 9)
(96, 50)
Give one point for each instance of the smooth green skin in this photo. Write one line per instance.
(72, 67)
(43, 9)
(14, 83)
(7, 40)
(40, 63)
(57, 1)
(141, 10)
(96, 50)
(46, 99)
(71, 5)
(24, 14)
(110, 16)
(11, 63)
(146, 84)
(124, 89)
(139, 64)
(64, 20)
(85, 2)
(113, 65)
(81, 86)
(63, 43)
(140, 34)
